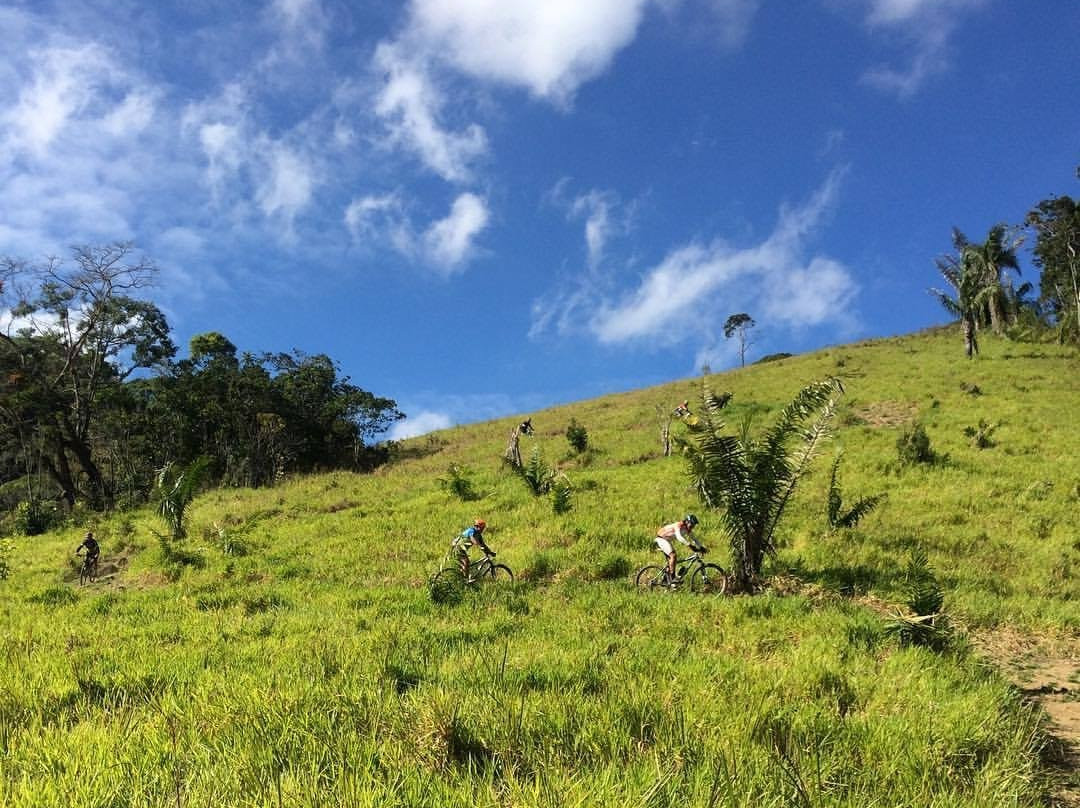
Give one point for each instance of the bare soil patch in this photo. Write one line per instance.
(1047, 672)
(887, 413)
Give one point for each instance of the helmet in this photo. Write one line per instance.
(479, 524)
(690, 519)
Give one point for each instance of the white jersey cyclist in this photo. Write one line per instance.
(680, 531)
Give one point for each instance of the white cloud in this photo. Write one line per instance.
(419, 424)
(598, 210)
(65, 82)
(445, 245)
(370, 216)
(925, 26)
(449, 242)
(734, 17)
(550, 48)
(681, 296)
(286, 187)
(410, 106)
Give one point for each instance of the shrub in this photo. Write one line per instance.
(980, 435)
(537, 474)
(457, 482)
(926, 625)
(540, 568)
(560, 495)
(34, 517)
(612, 567)
(7, 549)
(577, 436)
(913, 446)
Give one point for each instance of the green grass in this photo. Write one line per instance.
(292, 655)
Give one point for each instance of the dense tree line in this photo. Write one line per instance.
(980, 274)
(93, 400)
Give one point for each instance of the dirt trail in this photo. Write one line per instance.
(1048, 673)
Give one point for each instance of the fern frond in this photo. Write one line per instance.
(859, 510)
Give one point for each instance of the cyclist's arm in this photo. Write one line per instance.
(483, 545)
(679, 536)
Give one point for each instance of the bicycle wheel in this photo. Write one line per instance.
(447, 585)
(651, 576)
(495, 572)
(84, 575)
(709, 579)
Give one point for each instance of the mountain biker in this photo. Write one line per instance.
(466, 539)
(683, 410)
(93, 549)
(676, 530)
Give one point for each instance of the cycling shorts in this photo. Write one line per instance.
(664, 545)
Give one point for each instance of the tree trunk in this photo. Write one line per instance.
(995, 312)
(60, 471)
(99, 490)
(971, 344)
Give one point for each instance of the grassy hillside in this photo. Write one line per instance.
(292, 655)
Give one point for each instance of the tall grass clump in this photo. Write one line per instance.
(7, 550)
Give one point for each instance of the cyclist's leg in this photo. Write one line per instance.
(664, 546)
(463, 562)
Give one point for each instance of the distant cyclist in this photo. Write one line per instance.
(681, 531)
(466, 539)
(93, 549)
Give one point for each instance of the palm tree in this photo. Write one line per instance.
(751, 479)
(989, 260)
(176, 487)
(965, 275)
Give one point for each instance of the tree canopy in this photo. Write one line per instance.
(93, 400)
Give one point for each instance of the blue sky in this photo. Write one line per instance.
(483, 207)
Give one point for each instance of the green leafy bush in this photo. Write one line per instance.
(913, 446)
(458, 483)
(577, 436)
(34, 517)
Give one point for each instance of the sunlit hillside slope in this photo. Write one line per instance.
(289, 654)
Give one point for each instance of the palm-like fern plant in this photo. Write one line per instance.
(176, 487)
(751, 479)
(836, 503)
(926, 624)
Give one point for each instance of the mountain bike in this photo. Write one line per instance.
(483, 571)
(704, 578)
(88, 570)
